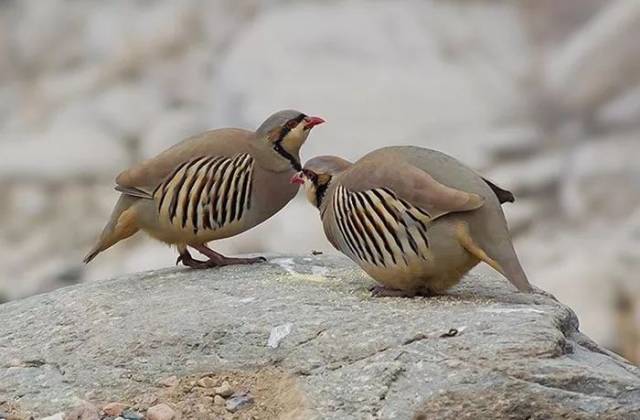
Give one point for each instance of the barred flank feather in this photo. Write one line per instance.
(206, 193)
(379, 228)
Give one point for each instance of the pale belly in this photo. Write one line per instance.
(435, 268)
(421, 275)
(173, 234)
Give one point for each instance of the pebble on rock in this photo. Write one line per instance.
(206, 382)
(224, 390)
(219, 401)
(114, 409)
(161, 412)
(85, 411)
(239, 401)
(132, 415)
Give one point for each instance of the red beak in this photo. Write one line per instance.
(298, 178)
(311, 122)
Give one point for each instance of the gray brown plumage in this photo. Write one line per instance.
(414, 219)
(210, 186)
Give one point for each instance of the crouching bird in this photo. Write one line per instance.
(416, 220)
(210, 186)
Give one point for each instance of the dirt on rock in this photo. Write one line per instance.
(275, 395)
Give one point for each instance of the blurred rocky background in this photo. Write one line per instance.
(542, 96)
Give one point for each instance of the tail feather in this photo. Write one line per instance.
(503, 195)
(505, 262)
(120, 226)
(92, 254)
(515, 274)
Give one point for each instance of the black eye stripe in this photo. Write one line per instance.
(290, 125)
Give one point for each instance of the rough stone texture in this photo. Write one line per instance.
(516, 356)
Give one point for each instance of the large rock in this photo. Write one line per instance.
(311, 319)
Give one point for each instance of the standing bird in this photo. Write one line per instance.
(211, 186)
(416, 220)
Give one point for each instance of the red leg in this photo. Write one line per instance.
(186, 259)
(220, 260)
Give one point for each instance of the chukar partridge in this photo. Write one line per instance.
(416, 220)
(211, 186)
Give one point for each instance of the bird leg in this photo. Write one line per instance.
(219, 260)
(186, 259)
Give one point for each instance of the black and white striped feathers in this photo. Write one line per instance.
(377, 227)
(206, 193)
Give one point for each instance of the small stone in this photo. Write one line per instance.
(171, 381)
(85, 411)
(219, 401)
(57, 416)
(239, 401)
(132, 415)
(206, 382)
(278, 334)
(224, 390)
(114, 409)
(161, 412)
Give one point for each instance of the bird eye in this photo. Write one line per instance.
(291, 124)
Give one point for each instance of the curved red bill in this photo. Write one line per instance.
(298, 178)
(312, 122)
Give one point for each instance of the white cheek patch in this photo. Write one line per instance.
(310, 191)
(296, 137)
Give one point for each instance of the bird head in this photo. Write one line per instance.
(285, 132)
(317, 174)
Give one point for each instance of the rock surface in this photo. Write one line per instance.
(349, 355)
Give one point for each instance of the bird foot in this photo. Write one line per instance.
(187, 260)
(240, 261)
(381, 291)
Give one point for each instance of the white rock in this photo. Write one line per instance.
(278, 334)
(63, 151)
(170, 128)
(419, 80)
(603, 179)
(579, 72)
(115, 107)
(45, 35)
(532, 175)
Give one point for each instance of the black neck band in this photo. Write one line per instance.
(321, 190)
(292, 160)
(277, 146)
